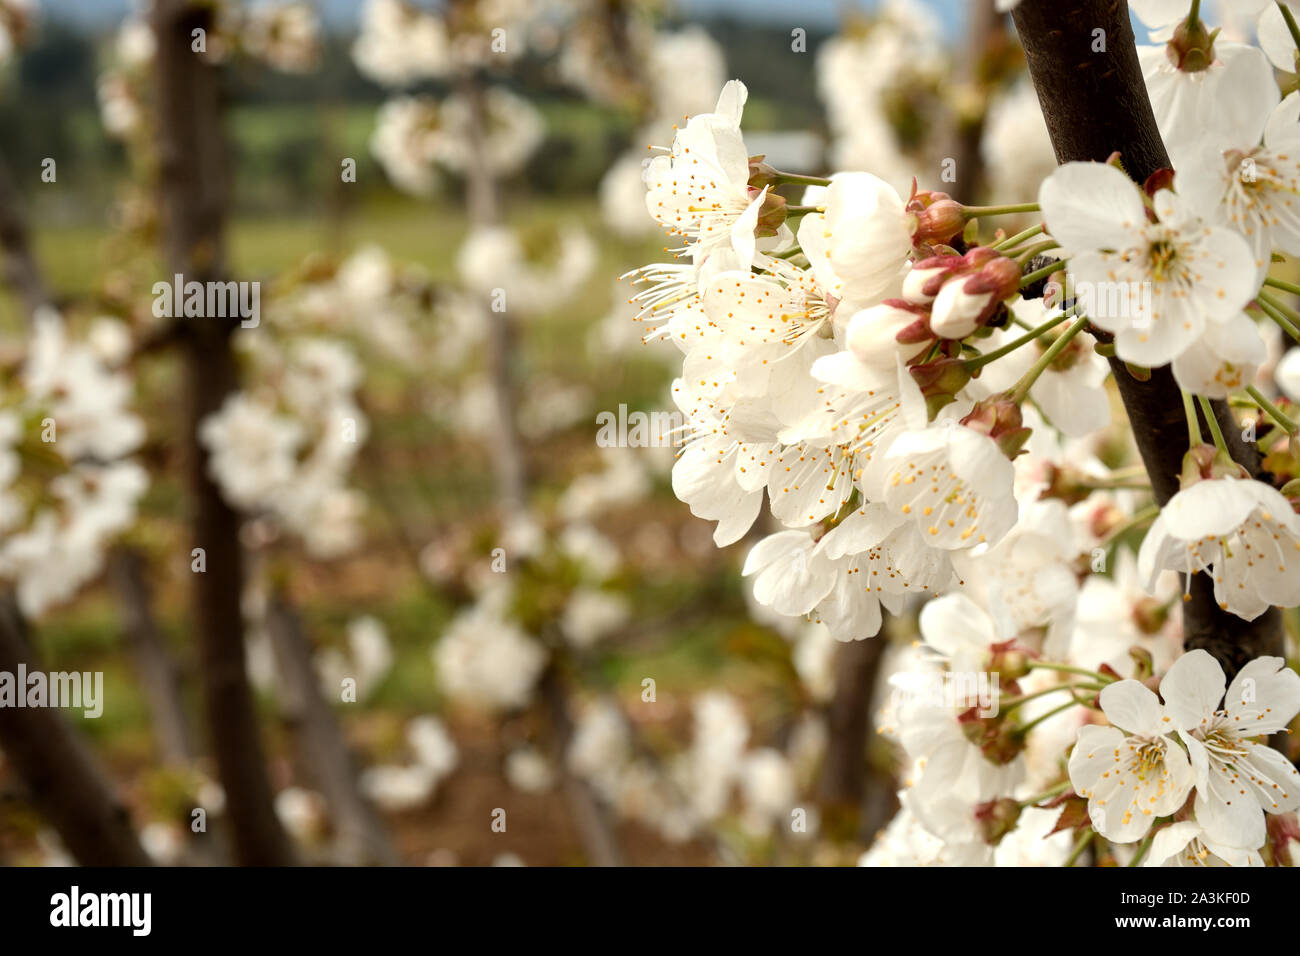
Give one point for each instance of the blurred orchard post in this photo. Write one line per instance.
(590, 816)
(21, 270)
(360, 835)
(985, 40)
(193, 195)
(483, 207)
(484, 211)
(1096, 103)
(159, 674)
(61, 774)
(842, 783)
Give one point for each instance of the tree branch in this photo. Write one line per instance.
(1096, 103)
(193, 192)
(159, 675)
(361, 838)
(66, 782)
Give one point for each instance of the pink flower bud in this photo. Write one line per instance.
(940, 222)
(872, 334)
(956, 313)
(922, 284)
(1000, 419)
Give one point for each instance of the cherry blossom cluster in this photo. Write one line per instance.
(68, 484)
(925, 411)
(285, 35)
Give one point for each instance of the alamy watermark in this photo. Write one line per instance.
(950, 689)
(1108, 301)
(67, 689)
(221, 300)
(639, 429)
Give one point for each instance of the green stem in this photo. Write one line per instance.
(1142, 848)
(1193, 423)
(1012, 241)
(1278, 311)
(1009, 705)
(800, 210)
(1026, 728)
(1213, 422)
(985, 358)
(1288, 425)
(1021, 389)
(1148, 513)
(796, 179)
(1038, 249)
(973, 212)
(1080, 845)
(1290, 23)
(1056, 791)
(1042, 273)
(1283, 285)
(1070, 669)
(1194, 17)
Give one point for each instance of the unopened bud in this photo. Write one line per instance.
(940, 380)
(922, 282)
(999, 418)
(1284, 837)
(1192, 47)
(1145, 662)
(760, 173)
(1291, 492)
(940, 222)
(956, 312)
(994, 736)
(1203, 462)
(966, 303)
(1010, 661)
(1066, 483)
(1149, 616)
(872, 334)
(997, 818)
(771, 215)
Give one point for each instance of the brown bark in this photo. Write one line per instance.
(193, 192)
(360, 834)
(984, 34)
(1095, 104)
(842, 783)
(590, 815)
(62, 776)
(159, 675)
(63, 779)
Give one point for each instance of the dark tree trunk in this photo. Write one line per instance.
(193, 192)
(64, 780)
(1096, 104)
(842, 784)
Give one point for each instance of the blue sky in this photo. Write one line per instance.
(818, 12)
(814, 12)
